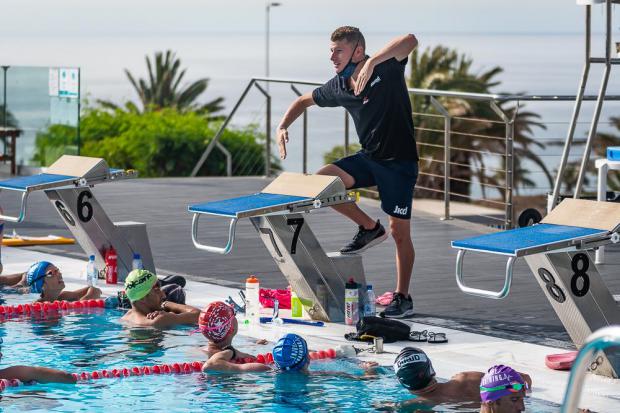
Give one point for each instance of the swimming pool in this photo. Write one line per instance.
(97, 340)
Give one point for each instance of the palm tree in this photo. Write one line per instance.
(10, 121)
(473, 127)
(163, 88)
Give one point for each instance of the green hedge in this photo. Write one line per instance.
(337, 152)
(160, 143)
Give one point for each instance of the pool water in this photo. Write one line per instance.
(96, 340)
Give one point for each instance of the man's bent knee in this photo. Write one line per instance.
(333, 170)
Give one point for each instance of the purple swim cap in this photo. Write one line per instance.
(500, 381)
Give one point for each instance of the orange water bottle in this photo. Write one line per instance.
(252, 304)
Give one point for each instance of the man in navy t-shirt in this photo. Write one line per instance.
(374, 92)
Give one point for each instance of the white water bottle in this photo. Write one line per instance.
(252, 304)
(370, 308)
(136, 263)
(91, 272)
(351, 303)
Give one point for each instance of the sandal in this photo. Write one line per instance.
(418, 336)
(437, 338)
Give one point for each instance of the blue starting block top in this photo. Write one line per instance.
(26, 183)
(234, 207)
(517, 242)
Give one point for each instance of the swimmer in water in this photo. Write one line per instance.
(217, 322)
(415, 372)
(45, 278)
(149, 307)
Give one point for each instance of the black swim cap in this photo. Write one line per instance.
(413, 368)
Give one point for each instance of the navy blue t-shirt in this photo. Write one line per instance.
(381, 113)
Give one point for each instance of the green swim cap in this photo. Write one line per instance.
(138, 284)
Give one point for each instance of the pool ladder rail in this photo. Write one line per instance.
(598, 341)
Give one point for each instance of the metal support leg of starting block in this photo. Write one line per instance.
(582, 301)
(95, 232)
(315, 276)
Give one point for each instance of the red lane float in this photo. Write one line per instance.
(172, 368)
(48, 307)
(185, 368)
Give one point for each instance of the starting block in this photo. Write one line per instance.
(277, 214)
(559, 254)
(67, 184)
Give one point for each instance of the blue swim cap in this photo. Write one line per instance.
(36, 275)
(290, 352)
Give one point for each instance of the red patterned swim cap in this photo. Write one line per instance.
(215, 321)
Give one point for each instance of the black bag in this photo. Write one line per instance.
(370, 327)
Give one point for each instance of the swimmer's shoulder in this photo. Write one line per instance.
(467, 376)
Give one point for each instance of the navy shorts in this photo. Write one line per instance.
(395, 180)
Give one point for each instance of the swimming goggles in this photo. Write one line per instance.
(512, 387)
(48, 274)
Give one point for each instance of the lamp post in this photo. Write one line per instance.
(268, 7)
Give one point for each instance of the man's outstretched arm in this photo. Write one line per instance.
(293, 112)
(398, 48)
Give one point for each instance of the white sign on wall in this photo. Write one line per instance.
(68, 82)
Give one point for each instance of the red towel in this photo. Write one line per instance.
(266, 297)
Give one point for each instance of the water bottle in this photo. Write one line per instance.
(296, 309)
(370, 308)
(136, 263)
(351, 303)
(111, 266)
(252, 304)
(91, 272)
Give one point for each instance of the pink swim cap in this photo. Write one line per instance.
(215, 321)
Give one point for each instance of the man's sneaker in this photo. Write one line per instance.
(365, 238)
(400, 307)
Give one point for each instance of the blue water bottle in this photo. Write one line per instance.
(370, 308)
(91, 272)
(136, 263)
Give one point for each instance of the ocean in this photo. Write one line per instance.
(532, 63)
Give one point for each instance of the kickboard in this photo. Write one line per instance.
(562, 361)
(24, 241)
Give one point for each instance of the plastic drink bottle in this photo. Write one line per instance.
(252, 304)
(351, 303)
(111, 266)
(91, 272)
(370, 308)
(136, 263)
(345, 351)
(296, 309)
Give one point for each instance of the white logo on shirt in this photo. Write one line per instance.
(374, 82)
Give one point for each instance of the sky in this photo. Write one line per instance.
(84, 17)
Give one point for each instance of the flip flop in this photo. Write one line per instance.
(418, 336)
(385, 298)
(563, 361)
(437, 338)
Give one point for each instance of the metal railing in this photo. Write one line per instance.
(439, 155)
(598, 341)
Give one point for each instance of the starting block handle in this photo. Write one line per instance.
(217, 250)
(484, 293)
(22, 210)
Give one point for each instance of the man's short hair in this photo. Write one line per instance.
(350, 34)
